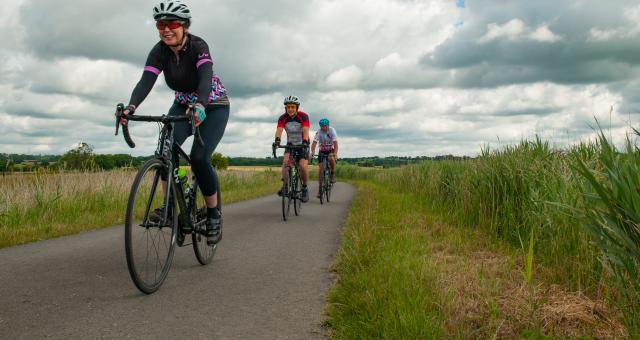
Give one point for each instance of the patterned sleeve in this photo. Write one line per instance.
(281, 121)
(335, 134)
(315, 137)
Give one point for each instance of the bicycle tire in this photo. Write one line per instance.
(286, 197)
(321, 181)
(203, 251)
(328, 185)
(297, 199)
(285, 208)
(147, 229)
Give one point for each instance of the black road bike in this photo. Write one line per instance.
(151, 234)
(325, 178)
(292, 185)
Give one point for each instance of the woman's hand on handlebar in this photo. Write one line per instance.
(199, 114)
(129, 110)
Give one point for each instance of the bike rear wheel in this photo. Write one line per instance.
(150, 242)
(204, 252)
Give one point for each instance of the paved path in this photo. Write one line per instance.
(268, 280)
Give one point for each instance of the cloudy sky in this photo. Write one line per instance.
(395, 77)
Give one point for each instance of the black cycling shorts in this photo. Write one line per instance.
(298, 154)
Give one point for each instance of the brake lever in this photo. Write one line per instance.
(119, 109)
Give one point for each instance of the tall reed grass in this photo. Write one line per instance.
(611, 191)
(553, 200)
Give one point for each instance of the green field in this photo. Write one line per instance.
(44, 205)
(526, 241)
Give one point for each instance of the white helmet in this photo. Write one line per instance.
(292, 100)
(171, 9)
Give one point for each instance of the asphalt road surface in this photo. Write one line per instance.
(268, 280)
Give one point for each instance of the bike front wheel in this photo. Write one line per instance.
(286, 201)
(150, 234)
(327, 186)
(321, 187)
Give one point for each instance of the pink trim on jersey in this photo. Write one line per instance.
(203, 61)
(152, 70)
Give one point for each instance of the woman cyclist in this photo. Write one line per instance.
(188, 70)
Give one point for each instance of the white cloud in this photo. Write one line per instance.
(544, 34)
(10, 22)
(631, 29)
(516, 29)
(358, 62)
(345, 78)
(510, 30)
(606, 34)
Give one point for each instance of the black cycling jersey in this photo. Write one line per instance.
(190, 73)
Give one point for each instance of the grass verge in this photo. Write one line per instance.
(386, 287)
(42, 206)
(406, 274)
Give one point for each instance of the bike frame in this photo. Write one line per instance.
(167, 150)
(324, 161)
(294, 170)
(293, 152)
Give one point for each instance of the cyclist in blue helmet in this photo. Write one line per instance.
(328, 140)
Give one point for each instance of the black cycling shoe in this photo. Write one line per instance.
(157, 214)
(305, 194)
(214, 230)
(280, 192)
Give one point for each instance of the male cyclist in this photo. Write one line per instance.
(328, 139)
(296, 124)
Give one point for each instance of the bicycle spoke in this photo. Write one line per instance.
(152, 195)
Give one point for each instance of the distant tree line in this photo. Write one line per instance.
(385, 162)
(82, 157)
(396, 161)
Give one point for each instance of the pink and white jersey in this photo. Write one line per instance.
(326, 139)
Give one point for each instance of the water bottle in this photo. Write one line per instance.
(182, 176)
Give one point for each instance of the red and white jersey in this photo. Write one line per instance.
(293, 126)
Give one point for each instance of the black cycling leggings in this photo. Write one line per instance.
(211, 131)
